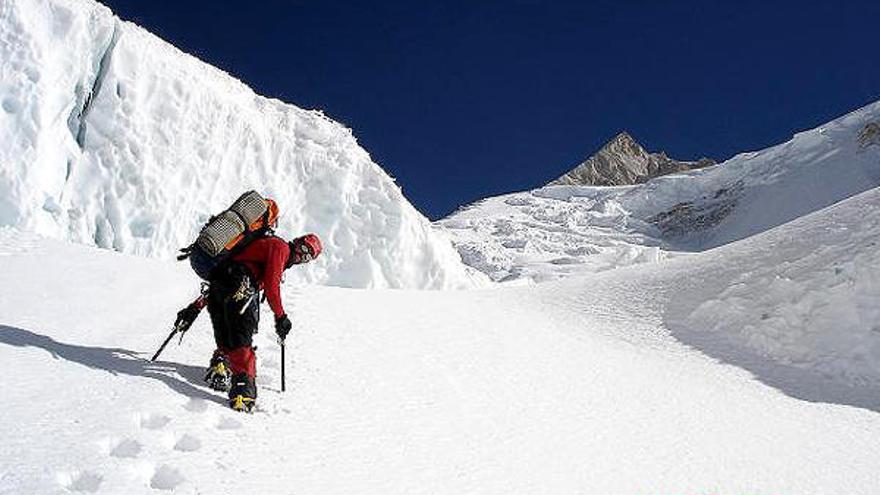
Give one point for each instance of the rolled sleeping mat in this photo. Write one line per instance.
(219, 232)
(250, 206)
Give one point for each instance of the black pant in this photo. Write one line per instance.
(234, 306)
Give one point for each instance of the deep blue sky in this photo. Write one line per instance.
(461, 100)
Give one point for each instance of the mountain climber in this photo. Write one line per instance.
(233, 303)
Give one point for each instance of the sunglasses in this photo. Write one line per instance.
(305, 252)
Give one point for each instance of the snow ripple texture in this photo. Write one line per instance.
(114, 138)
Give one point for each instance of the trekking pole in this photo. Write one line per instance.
(282, 366)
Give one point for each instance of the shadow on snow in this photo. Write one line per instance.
(181, 378)
(799, 383)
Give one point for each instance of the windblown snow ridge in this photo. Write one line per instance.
(112, 137)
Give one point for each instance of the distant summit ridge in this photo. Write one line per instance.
(623, 161)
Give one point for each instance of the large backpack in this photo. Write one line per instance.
(225, 235)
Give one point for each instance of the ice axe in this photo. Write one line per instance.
(177, 328)
(185, 319)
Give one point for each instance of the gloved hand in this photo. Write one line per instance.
(186, 317)
(282, 326)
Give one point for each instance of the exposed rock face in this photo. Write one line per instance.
(869, 135)
(700, 214)
(623, 161)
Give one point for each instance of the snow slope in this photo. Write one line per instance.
(112, 137)
(557, 231)
(748, 368)
(620, 382)
(797, 304)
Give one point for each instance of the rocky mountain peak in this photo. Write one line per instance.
(623, 143)
(623, 137)
(623, 161)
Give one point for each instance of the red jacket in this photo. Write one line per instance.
(265, 258)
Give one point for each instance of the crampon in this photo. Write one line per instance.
(219, 376)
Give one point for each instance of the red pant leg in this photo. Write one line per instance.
(242, 360)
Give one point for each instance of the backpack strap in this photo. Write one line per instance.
(186, 252)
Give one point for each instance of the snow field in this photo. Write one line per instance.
(747, 368)
(592, 384)
(119, 140)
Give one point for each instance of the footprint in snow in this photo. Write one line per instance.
(127, 448)
(166, 477)
(81, 481)
(154, 421)
(188, 443)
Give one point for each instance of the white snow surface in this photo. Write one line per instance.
(557, 231)
(709, 332)
(619, 382)
(114, 138)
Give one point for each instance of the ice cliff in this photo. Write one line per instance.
(114, 138)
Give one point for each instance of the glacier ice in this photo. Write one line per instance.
(114, 138)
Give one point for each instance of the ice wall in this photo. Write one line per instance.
(114, 138)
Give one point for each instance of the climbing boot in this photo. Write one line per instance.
(219, 376)
(243, 394)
